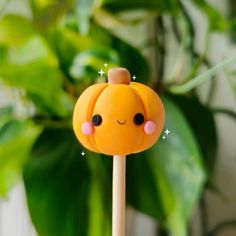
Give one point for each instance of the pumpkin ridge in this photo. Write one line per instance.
(145, 114)
(92, 111)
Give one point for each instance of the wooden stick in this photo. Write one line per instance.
(118, 201)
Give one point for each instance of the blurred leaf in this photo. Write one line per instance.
(142, 188)
(133, 60)
(48, 12)
(81, 57)
(16, 139)
(87, 63)
(84, 10)
(15, 30)
(93, 51)
(30, 64)
(216, 19)
(204, 128)
(231, 77)
(152, 5)
(198, 80)
(67, 193)
(178, 175)
(3, 53)
(66, 44)
(6, 114)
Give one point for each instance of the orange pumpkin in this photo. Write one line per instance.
(119, 117)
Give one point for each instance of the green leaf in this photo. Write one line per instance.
(198, 80)
(92, 51)
(15, 30)
(204, 128)
(177, 175)
(84, 10)
(132, 59)
(87, 63)
(30, 64)
(16, 139)
(179, 170)
(67, 43)
(142, 188)
(6, 114)
(67, 194)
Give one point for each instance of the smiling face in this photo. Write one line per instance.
(117, 106)
(118, 119)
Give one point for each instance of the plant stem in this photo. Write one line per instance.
(222, 226)
(160, 50)
(198, 80)
(225, 111)
(191, 31)
(201, 59)
(204, 215)
(196, 54)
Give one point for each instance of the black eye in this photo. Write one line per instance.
(138, 119)
(96, 120)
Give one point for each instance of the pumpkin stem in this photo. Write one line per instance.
(118, 75)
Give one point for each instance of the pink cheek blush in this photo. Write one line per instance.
(149, 127)
(87, 128)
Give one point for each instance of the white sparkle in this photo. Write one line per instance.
(101, 72)
(134, 77)
(167, 131)
(105, 64)
(82, 153)
(163, 137)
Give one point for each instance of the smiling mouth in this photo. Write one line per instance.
(120, 122)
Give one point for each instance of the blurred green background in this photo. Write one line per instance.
(52, 52)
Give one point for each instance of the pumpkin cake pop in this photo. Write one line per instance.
(118, 118)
